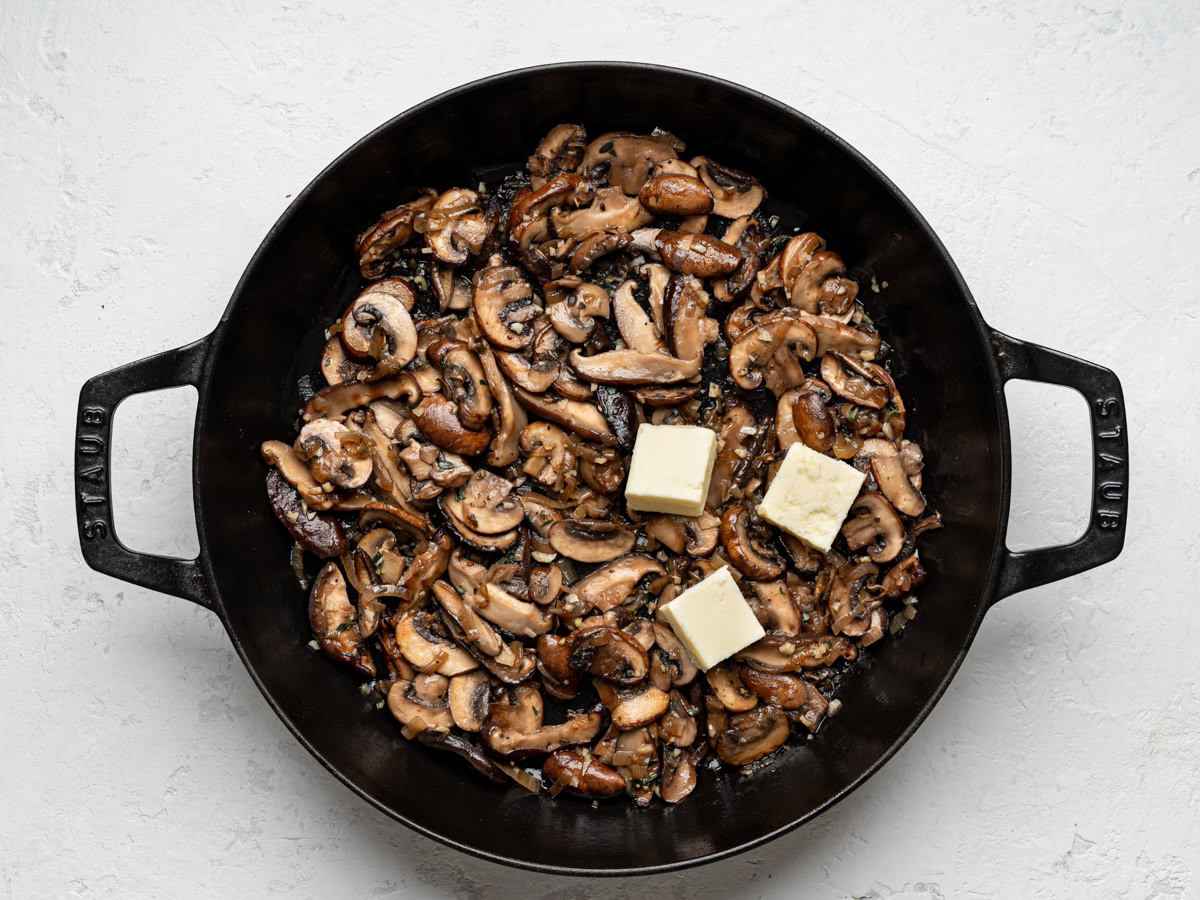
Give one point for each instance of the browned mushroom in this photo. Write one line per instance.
(439, 421)
(637, 330)
(782, 689)
(746, 553)
(315, 532)
(888, 470)
(422, 713)
(590, 540)
(583, 775)
(678, 777)
(610, 210)
(834, 335)
(632, 707)
(903, 577)
(561, 150)
(804, 410)
(518, 617)
(676, 195)
(695, 254)
(747, 236)
(335, 454)
(378, 325)
(735, 433)
(576, 415)
(334, 623)
(634, 367)
(688, 329)
(573, 305)
(775, 607)
(597, 244)
(421, 638)
(455, 226)
(294, 470)
(514, 729)
(336, 400)
(670, 664)
(504, 304)
(725, 683)
(509, 416)
(820, 286)
(792, 652)
(875, 526)
(611, 584)
(772, 334)
(734, 193)
(609, 653)
(853, 379)
(750, 736)
(624, 160)
(379, 243)
(554, 665)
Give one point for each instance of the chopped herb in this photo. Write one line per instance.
(852, 414)
(536, 711)
(444, 463)
(563, 741)
(459, 495)
(377, 559)
(891, 410)
(460, 588)
(608, 148)
(349, 624)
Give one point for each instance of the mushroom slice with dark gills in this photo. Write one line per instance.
(538, 370)
(455, 226)
(469, 628)
(595, 245)
(903, 578)
(468, 697)
(602, 468)
(514, 729)
(746, 552)
(295, 471)
(561, 150)
(487, 543)
(670, 663)
(725, 682)
(678, 724)
(378, 325)
(335, 452)
(487, 505)
(509, 415)
(775, 607)
(573, 305)
(423, 641)
(820, 286)
(610, 209)
(338, 367)
(417, 712)
(624, 160)
(635, 325)
(438, 419)
(545, 584)
(378, 244)
(792, 652)
(632, 707)
(463, 381)
(583, 418)
(888, 469)
(689, 330)
(852, 600)
(749, 736)
(334, 623)
(610, 585)
(735, 432)
(874, 525)
(609, 653)
(832, 334)
(504, 305)
(759, 344)
(734, 193)
(549, 455)
(678, 778)
(855, 380)
(697, 535)
(583, 775)
(451, 286)
(460, 746)
(591, 540)
(746, 235)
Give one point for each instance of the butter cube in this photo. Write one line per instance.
(810, 496)
(671, 468)
(713, 619)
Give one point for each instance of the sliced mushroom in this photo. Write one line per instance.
(608, 653)
(334, 453)
(747, 236)
(379, 243)
(334, 623)
(561, 150)
(792, 652)
(467, 627)
(876, 527)
(603, 469)
(504, 304)
(549, 455)
(688, 327)
(735, 433)
(337, 367)
(464, 381)
(597, 244)
(812, 423)
(514, 731)
(775, 607)
(675, 395)
(852, 600)
(695, 254)
(834, 335)
(637, 330)
(294, 470)
(455, 226)
(451, 287)
(421, 638)
(821, 287)
(903, 578)
(670, 663)
(610, 585)
(633, 707)
(590, 540)
(678, 778)
(750, 736)
(316, 532)
(727, 685)
(509, 416)
(461, 747)
(554, 665)
(781, 689)
(487, 505)
(758, 345)
(583, 775)
(676, 195)
(545, 584)
(468, 698)
(573, 305)
(734, 193)
(853, 379)
(609, 210)
(625, 160)
(488, 543)
(749, 556)
(408, 707)
(336, 400)
(576, 415)
(377, 325)
(515, 616)
(439, 421)
(888, 469)
(634, 367)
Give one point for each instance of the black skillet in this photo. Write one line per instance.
(304, 274)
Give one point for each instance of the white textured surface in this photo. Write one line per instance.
(146, 147)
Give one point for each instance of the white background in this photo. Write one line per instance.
(146, 147)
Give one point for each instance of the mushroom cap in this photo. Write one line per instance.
(590, 540)
(734, 193)
(749, 736)
(676, 195)
(609, 653)
(608, 586)
(334, 622)
(582, 775)
(749, 556)
(876, 527)
(316, 532)
(468, 697)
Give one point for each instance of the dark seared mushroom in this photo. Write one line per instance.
(675, 395)
(852, 599)
(688, 329)
(590, 540)
(792, 652)
(583, 775)
(602, 468)
(504, 304)
(413, 710)
(514, 731)
(455, 226)
(545, 584)
(775, 333)
(698, 535)
(634, 367)
(427, 567)
(378, 325)
(775, 607)
(535, 374)
(670, 663)
(561, 150)
(874, 525)
(782, 689)
(637, 330)
(609, 653)
(466, 626)
(336, 400)
(820, 286)
(749, 556)
(573, 305)
(888, 469)
(554, 665)
(750, 736)
(420, 638)
(676, 195)
(748, 236)
(451, 287)
(695, 254)
(468, 698)
(338, 367)
(734, 193)
(625, 160)
(464, 381)
(804, 416)
(725, 683)
(736, 432)
(595, 245)
(296, 472)
(316, 532)
(575, 415)
(678, 724)
(635, 755)
(608, 586)
(832, 334)
(439, 421)
(460, 746)
(853, 379)
(335, 454)
(903, 578)
(334, 623)
(678, 777)
(508, 415)
(621, 414)
(379, 243)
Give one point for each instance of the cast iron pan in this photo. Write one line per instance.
(305, 273)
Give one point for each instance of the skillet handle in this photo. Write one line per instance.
(98, 401)
(1105, 535)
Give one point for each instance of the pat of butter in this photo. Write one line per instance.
(671, 468)
(810, 496)
(713, 619)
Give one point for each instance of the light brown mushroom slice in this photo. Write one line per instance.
(750, 736)
(439, 421)
(336, 400)
(455, 226)
(888, 469)
(700, 255)
(853, 379)
(725, 682)
(451, 508)
(378, 325)
(468, 698)
(590, 540)
(337, 367)
(509, 415)
(631, 367)
(451, 287)
(419, 640)
(834, 335)
(379, 243)
(518, 617)
(638, 332)
(874, 524)
(608, 586)
(575, 415)
(297, 474)
(545, 584)
(676, 195)
(734, 193)
(549, 455)
(609, 653)
(476, 634)
(463, 381)
(792, 652)
(670, 659)
(759, 344)
(504, 305)
(749, 556)
(333, 621)
(582, 774)
(678, 777)
(405, 704)
(639, 705)
(488, 504)
(610, 209)
(628, 157)
(561, 150)
(335, 454)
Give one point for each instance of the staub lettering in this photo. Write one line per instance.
(1112, 489)
(90, 445)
